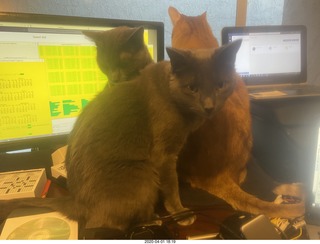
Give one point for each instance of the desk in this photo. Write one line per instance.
(210, 212)
(208, 217)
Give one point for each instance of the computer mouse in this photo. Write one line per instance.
(230, 228)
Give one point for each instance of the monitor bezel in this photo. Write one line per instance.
(54, 141)
(270, 80)
(87, 21)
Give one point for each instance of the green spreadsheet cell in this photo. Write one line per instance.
(50, 51)
(88, 63)
(55, 77)
(88, 51)
(70, 50)
(89, 76)
(54, 63)
(89, 88)
(72, 71)
(57, 90)
(72, 76)
(73, 89)
(70, 63)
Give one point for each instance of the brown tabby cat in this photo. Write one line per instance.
(121, 52)
(125, 143)
(216, 155)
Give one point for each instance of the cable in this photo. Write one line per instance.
(298, 236)
(188, 213)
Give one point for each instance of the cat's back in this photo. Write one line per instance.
(120, 107)
(153, 85)
(121, 114)
(113, 128)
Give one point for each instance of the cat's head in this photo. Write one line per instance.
(202, 80)
(121, 52)
(191, 31)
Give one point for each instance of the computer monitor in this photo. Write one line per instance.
(48, 73)
(275, 54)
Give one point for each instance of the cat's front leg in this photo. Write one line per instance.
(170, 191)
(293, 189)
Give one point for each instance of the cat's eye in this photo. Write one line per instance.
(193, 88)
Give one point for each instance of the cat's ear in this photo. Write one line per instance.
(204, 16)
(93, 35)
(174, 15)
(178, 59)
(136, 37)
(226, 55)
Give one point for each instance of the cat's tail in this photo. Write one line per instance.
(64, 205)
(243, 201)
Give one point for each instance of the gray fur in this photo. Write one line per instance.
(123, 149)
(121, 52)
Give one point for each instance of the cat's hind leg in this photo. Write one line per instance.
(127, 200)
(120, 215)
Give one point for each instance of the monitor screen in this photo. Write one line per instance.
(48, 73)
(263, 54)
(269, 54)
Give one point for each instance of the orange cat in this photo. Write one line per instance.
(216, 155)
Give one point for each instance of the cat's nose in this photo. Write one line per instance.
(208, 106)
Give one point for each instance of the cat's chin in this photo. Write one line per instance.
(210, 115)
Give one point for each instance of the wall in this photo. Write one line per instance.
(263, 12)
(301, 12)
(220, 13)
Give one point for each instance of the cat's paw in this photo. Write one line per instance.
(294, 189)
(156, 220)
(185, 217)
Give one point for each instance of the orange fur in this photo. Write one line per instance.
(216, 155)
(193, 32)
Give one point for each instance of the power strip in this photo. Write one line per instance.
(23, 183)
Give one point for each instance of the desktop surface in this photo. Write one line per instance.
(211, 220)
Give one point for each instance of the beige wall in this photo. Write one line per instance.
(307, 12)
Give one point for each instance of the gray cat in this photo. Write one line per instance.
(124, 146)
(121, 52)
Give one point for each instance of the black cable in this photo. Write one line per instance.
(176, 217)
